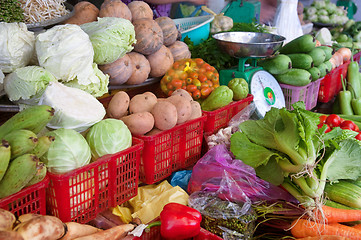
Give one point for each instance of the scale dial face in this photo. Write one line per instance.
(266, 92)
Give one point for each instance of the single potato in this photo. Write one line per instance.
(139, 123)
(165, 115)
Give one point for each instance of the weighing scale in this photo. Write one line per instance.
(263, 86)
(246, 11)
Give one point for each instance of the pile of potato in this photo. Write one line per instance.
(145, 114)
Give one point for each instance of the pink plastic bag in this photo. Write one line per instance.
(233, 180)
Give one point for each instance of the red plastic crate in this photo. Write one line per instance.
(154, 234)
(27, 200)
(219, 118)
(171, 150)
(308, 94)
(81, 194)
(331, 84)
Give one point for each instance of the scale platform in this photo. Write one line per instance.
(251, 46)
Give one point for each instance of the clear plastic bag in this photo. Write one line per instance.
(233, 180)
(226, 219)
(286, 20)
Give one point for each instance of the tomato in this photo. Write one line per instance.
(333, 120)
(358, 136)
(202, 78)
(170, 86)
(202, 71)
(189, 81)
(193, 75)
(323, 118)
(205, 92)
(199, 61)
(196, 94)
(208, 67)
(177, 83)
(209, 75)
(350, 125)
(183, 76)
(197, 83)
(356, 128)
(191, 88)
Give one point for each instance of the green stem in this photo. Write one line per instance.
(154, 224)
(287, 166)
(301, 182)
(306, 201)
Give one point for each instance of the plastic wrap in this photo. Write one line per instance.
(286, 20)
(223, 218)
(231, 179)
(224, 134)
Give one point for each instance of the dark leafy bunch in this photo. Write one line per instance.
(213, 55)
(11, 11)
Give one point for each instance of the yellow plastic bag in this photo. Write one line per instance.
(150, 201)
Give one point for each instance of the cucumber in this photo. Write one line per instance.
(301, 60)
(318, 56)
(276, 65)
(345, 193)
(315, 73)
(328, 52)
(302, 44)
(295, 77)
(323, 69)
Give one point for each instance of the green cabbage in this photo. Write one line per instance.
(111, 37)
(27, 84)
(74, 108)
(67, 152)
(16, 46)
(66, 51)
(97, 89)
(108, 136)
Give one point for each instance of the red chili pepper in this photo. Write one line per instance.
(178, 222)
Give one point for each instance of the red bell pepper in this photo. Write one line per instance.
(178, 222)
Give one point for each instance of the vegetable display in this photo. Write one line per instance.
(324, 11)
(11, 11)
(289, 144)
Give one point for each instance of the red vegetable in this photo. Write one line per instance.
(358, 137)
(347, 124)
(333, 120)
(323, 118)
(178, 222)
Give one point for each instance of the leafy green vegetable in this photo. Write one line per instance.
(11, 11)
(288, 149)
(213, 55)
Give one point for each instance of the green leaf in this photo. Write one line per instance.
(255, 156)
(271, 172)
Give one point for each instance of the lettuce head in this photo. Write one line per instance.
(16, 46)
(111, 37)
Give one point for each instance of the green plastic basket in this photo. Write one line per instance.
(196, 28)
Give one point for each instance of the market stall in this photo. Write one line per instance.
(116, 124)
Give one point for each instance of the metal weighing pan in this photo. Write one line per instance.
(249, 44)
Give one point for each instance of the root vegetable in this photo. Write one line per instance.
(118, 105)
(117, 232)
(142, 103)
(76, 230)
(196, 110)
(5, 235)
(7, 220)
(183, 93)
(165, 115)
(139, 123)
(41, 228)
(184, 108)
(27, 217)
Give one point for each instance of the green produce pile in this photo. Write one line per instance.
(299, 62)
(11, 11)
(326, 12)
(348, 35)
(213, 55)
(290, 149)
